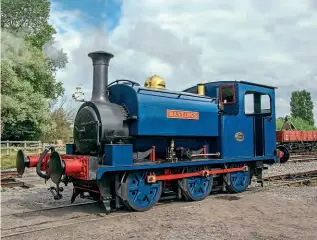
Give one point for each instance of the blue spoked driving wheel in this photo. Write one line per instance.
(197, 188)
(140, 195)
(238, 181)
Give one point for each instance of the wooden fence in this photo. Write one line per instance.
(11, 147)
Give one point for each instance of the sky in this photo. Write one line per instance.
(270, 42)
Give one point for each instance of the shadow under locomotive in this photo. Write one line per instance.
(135, 145)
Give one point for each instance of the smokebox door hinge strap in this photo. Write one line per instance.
(80, 130)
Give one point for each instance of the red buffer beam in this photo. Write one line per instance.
(75, 166)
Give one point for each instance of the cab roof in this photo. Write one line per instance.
(218, 83)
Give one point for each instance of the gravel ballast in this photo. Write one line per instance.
(277, 213)
(290, 167)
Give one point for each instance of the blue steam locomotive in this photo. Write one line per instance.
(135, 145)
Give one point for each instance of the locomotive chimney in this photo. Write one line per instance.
(100, 61)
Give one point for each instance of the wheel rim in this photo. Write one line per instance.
(198, 188)
(285, 152)
(141, 195)
(239, 181)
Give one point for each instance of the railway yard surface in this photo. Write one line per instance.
(280, 210)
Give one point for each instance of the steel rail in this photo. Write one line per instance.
(50, 209)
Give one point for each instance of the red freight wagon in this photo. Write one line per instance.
(312, 136)
(290, 140)
(289, 136)
(297, 141)
(296, 136)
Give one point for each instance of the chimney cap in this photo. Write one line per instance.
(100, 57)
(100, 53)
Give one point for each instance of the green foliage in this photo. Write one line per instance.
(26, 30)
(24, 112)
(302, 106)
(28, 65)
(30, 16)
(299, 123)
(63, 130)
(279, 123)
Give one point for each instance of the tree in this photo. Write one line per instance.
(29, 16)
(63, 115)
(28, 20)
(29, 62)
(24, 112)
(302, 106)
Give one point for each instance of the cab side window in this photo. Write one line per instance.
(266, 104)
(256, 103)
(227, 94)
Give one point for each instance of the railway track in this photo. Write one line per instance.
(303, 153)
(74, 205)
(303, 157)
(84, 218)
(290, 179)
(294, 179)
(9, 174)
(292, 176)
(9, 179)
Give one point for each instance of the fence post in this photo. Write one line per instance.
(8, 150)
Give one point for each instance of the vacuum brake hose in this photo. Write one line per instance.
(39, 163)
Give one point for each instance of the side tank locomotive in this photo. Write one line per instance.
(134, 145)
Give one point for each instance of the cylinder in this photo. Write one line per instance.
(201, 88)
(100, 62)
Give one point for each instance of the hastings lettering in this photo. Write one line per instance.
(182, 114)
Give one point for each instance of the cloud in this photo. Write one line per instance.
(269, 42)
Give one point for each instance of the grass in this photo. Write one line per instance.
(8, 161)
